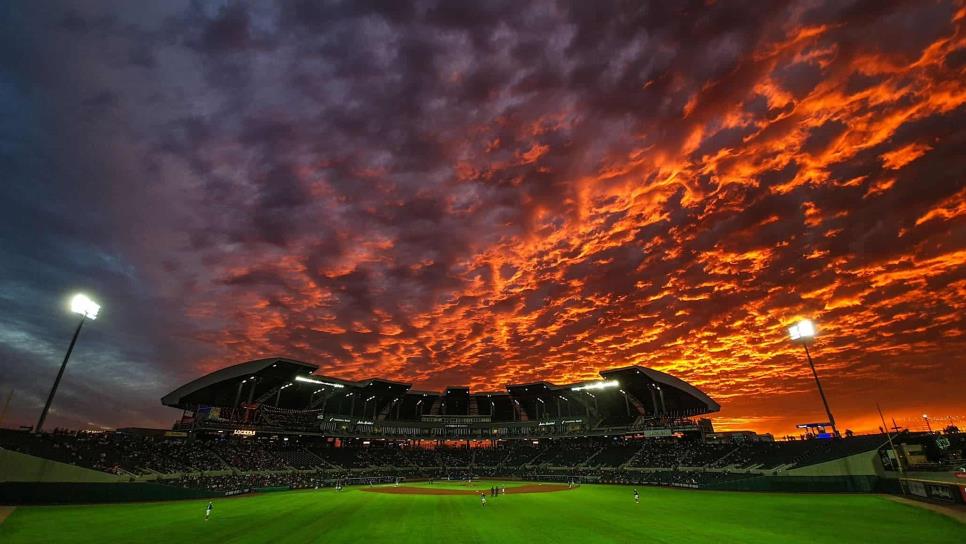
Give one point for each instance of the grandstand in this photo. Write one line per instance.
(286, 396)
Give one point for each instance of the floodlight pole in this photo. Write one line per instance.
(828, 411)
(60, 374)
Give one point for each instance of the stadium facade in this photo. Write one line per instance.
(287, 396)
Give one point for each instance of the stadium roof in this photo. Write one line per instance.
(260, 381)
(276, 366)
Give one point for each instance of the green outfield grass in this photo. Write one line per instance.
(586, 515)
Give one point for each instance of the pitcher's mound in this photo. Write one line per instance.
(406, 490)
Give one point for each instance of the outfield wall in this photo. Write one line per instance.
(20, 467)
(810, 484)
(860, 464)
(18, 493)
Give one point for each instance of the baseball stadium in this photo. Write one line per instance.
(271, 451)
(482, 272)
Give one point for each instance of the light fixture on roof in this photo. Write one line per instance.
(319, 382)
(597, 385)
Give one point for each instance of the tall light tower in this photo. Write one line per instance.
(88, 309)
(803, 333)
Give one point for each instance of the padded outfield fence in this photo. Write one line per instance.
(21, 493)
(935, 490)
(563, 478)
(377, 480)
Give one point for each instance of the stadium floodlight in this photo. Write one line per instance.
(319, 382)
(803, 332)
(88, 309)
(597, 385)
(82, 304)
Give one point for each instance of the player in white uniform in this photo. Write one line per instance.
(208, 510)
(637, 497)
(482, 498)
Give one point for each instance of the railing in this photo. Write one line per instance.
(440, 427)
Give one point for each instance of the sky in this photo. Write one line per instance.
(484, 193)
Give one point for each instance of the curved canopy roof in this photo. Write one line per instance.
(651, 391)
(211, 386)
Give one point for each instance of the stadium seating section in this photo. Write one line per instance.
(220, 464)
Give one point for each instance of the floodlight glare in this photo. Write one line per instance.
(597, 385)
(82, 304)
(310, 380)
(802, 331)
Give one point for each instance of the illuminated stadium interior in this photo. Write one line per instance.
(286, 395)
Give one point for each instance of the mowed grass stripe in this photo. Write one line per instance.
(590, 514)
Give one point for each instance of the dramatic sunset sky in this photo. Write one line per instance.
(479, 193)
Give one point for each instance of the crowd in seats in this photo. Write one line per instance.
(386, 457)
(614, 455)
(522, 454)
(300, 458)
(489, 457)
(660, 454)
(568, 453)
(117, 453)
(341, 457)
(422, 457)
(454, 457)
(247, 455)
(231, 483)
(669, 460)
